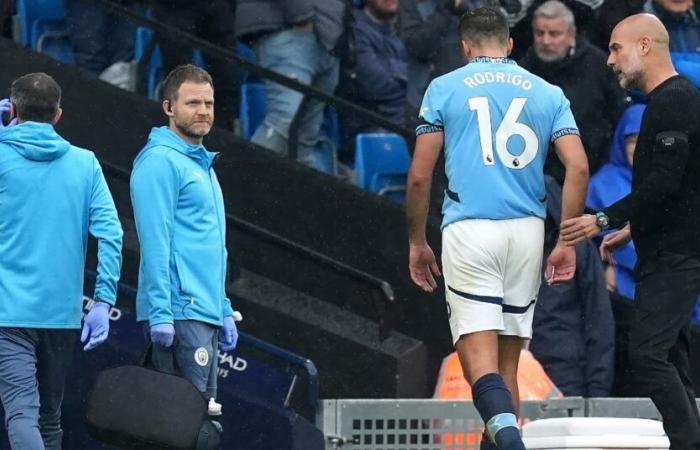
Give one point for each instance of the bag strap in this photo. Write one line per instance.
(146, 359)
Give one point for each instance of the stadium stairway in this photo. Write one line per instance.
(287, 298)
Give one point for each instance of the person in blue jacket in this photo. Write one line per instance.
(181, 226)
(52, 194)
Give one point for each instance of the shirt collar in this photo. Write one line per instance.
(490, 60)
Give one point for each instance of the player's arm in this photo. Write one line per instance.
(422, 265)
(420, 176)
(561, 262)
(573, 157)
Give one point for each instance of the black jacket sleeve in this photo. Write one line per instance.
(669, 157)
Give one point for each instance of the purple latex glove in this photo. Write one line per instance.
(6, 108)
(95, 326)
(163, 334)
(228, 335)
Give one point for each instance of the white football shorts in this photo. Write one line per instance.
(492, 271)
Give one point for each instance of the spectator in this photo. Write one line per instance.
(380, 59)
(102, 41)
(681, 22)
(520, 19)
(212, 21)
(580, 70)
(295, 39)
(53, 195)
(573, 333)
(613, 182)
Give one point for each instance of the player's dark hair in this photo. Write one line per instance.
(36, 97)
(484, 24)
(183, 74)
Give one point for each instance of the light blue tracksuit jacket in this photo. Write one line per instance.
(52, 195)
(180, 220)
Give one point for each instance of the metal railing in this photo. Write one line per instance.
(429, 424)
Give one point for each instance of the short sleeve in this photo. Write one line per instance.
(564, 123)
(430, 115)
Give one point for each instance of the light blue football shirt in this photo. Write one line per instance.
(498, 120)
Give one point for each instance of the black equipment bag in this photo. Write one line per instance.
(137, 407)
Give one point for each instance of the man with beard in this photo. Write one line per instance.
(662, 215)
(181, 225)
(565, 59)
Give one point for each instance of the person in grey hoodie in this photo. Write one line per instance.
(181, 226)
(295, 38)
(52, 194)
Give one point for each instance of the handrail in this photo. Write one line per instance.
(357, 274)
(215, 51)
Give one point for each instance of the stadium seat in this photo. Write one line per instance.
(252, 111)
(42, 27)
(688, 65)
(381, 164)
(253, 107)
(153, 70)
(37, 17)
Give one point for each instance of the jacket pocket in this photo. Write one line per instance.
(180, 272)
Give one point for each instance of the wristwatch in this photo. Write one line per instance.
(602, 220)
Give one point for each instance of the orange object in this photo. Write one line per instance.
(533, 382)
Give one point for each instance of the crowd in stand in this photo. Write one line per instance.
(381, 54)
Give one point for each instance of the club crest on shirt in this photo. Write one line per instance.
(201, 356)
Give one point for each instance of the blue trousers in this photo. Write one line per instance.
(194, 355)
(33, 367)
(298, 55)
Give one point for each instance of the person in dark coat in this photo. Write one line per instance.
(380, 60)
(573, 329)
(562, 58)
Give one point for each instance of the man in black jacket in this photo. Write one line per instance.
(578, 68)
(662, 214)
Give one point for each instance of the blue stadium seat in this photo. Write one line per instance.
(253, 107)
(58, 48)
(688, 65)
(37, 17)
(252, 111)
(381, 164)
(42, 27)
(154, 68)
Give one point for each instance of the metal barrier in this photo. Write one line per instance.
(419, 424)
(424, 424)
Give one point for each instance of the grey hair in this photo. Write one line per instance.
(554, 9)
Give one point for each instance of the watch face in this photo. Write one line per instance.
(602, 221)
